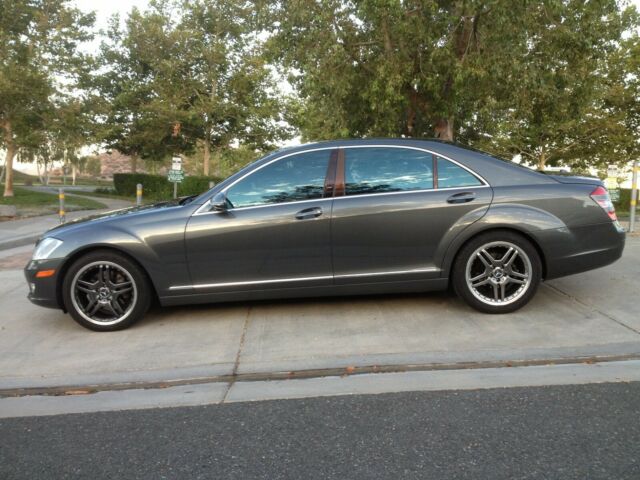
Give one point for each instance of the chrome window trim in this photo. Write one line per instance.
(203, 211)
(304, 279)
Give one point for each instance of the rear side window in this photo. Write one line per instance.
(291, 179)
(452, 175)
(381, 170)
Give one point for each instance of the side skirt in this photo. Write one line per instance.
(302, 292)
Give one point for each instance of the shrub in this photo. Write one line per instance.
(157, 187)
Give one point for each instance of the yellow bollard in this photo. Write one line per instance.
(61, 211)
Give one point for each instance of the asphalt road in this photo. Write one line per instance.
(566, 432)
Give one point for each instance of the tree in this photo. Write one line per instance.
(512, 77)
(38, 59)
(177, 78)
(562, 108)
(414, 68)
(125, 86)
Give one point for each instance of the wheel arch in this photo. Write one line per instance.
(93, 248)
(489, 229)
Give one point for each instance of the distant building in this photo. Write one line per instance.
(115, 162)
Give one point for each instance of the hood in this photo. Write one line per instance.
(117, 214)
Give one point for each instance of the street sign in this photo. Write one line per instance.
(611, 183)
(176, 163)
(175, 176)
(614, 194)
(613, 171)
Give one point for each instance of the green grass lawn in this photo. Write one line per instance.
(48, 202)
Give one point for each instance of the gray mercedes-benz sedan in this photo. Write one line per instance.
(334, 218)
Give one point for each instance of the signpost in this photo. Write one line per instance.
(176, 174)
(611, 182)
(634, 196)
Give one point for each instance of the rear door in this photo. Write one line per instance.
(393, 207)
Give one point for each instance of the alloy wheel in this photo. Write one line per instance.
(498, 273)
(104, 293)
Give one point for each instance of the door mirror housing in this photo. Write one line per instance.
(218, 202)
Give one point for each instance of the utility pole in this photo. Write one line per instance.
(634, 196)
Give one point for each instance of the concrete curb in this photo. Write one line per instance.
(368, 384)
(19, 241)
(223, 373)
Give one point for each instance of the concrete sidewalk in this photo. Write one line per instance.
(587, 316)
(14, 233)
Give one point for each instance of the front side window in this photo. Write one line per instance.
(383, 169)
(451, 175)
(291, 179)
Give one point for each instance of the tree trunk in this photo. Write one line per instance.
(8, 161)
(206, 159)
(444, 129)
(217, 170)
(542, 161)
(73, 174)
(45, 172)
(134, 163)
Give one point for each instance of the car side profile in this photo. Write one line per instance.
(334, 218)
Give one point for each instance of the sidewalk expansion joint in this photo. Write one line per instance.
(236, 363)
(593, 308)
(307, 374)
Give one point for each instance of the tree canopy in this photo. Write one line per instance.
(39, 63)
(528, 78)
(554, 81)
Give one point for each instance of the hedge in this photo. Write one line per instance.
(157, 187)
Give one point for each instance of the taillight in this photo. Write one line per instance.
(602, 198)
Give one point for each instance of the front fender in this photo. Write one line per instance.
(155, 242)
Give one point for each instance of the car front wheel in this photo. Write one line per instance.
(105, 291)
(497, 272)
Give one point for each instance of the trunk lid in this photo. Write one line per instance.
(577, 179)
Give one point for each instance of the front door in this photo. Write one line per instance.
(275, 233)
(397, 206)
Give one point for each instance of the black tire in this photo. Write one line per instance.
(496, 240)
(133, 303)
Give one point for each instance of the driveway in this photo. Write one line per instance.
(588, 317)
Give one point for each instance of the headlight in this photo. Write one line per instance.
(45, 248)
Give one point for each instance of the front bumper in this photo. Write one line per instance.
(44, 291)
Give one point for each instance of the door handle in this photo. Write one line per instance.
(308, 213)
(462, 197)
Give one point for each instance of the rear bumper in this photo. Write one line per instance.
(43, 291)
(579, 249)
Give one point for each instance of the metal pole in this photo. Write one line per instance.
(139, 194)
(175, 190)
(634, 196)
(61, 209)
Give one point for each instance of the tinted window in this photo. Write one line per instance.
(299, 177)
(451, 175)
(379, 170)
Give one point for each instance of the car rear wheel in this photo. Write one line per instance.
(497, 272)
(105, 291)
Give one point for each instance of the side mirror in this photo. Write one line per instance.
(218, 202)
